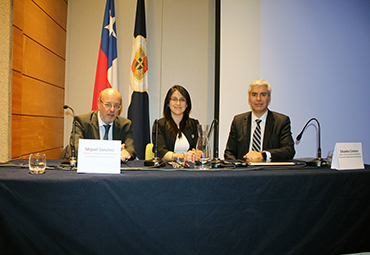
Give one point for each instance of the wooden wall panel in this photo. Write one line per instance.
(42, 64)
(53, 154)
(17, 49)
(56, 9)
(16, 137)
(18, 9)
(16, 93)
(38, 70)
(50, 154)
(42, 29)
(37, 98)
(34, 134)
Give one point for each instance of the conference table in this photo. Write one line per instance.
(143, 210)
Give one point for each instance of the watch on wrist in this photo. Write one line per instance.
(264, 155)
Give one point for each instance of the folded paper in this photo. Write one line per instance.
(347, 156)
(99, 156)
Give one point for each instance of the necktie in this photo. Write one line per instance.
(256, 143)
(107, 127)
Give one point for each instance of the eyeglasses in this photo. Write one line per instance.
(108, 106)
(175, 99)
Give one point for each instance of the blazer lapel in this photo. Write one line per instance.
(116, 127)
(95, 124)
(191, 136)
(246, 126)
(268, 129)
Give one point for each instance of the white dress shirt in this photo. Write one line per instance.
(262, 125)
(181, 144)
(102, 128)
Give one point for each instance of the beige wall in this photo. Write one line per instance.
(5, 65)
(180, 37)
(240, 54)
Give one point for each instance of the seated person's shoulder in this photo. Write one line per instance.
(123, 120)
(85, 116)
(280, 115)
(241, 116)
(161, 120)
(280, 118)
(194, 120)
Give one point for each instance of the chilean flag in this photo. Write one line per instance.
(106, 71)
(138, 111)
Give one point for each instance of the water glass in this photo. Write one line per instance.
(329, 158)
(180, 160)
(37, 163)
(202, 151)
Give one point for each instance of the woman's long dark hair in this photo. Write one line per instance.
(185, 123)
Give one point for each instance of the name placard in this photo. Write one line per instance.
(347, 156)
(99, 156)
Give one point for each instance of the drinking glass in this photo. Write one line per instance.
(37, 163)
(329, 158)
(180, 160)
(202, 151)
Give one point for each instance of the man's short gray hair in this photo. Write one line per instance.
(260, 83)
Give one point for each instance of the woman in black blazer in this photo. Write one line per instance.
(177, 132)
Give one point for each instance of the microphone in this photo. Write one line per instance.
(68, 107)
(215, 162)
(73, 160)
(155, 162)
(318, 162)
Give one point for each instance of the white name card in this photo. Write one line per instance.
(99, 156)
(347, 156)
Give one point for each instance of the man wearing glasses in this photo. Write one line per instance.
(106, 124)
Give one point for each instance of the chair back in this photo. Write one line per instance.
(149, 154)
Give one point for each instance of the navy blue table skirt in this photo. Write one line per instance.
(278, 211)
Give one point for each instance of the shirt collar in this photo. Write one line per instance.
(262, 118)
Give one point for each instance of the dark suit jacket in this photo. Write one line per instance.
(277, 138)
(87, 127)
(166, 140)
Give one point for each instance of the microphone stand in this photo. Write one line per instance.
(155, 162)
(73, 160)
(318, 162)
(215, 162)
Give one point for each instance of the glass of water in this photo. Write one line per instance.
(329, 158)
(37, 163)
(180, 160)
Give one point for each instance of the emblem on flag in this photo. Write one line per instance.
(139, 65)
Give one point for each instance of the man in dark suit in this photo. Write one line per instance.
(105, 123)
(274, 132)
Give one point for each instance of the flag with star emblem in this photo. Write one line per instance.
(106, 71)
(138, 111)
